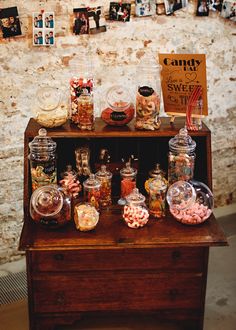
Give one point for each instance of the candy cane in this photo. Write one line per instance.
(196, 93)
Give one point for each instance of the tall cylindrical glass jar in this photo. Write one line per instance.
(92, 191)
(148, 94)
(128, 182)
(43, 166)
(104, 176)
(181, 157)
(81, 91)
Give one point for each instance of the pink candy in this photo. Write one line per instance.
(193, 215)
(135, 216)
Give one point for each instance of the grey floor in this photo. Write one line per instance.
(220, 309)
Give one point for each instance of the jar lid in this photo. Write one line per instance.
(47, 200)
(103, 173)
(156, 171)
(182, 142)
(48, 98)
(128, 171)
(181, 195)
(135, 197)
(159, 183)
(118, 98)
(91, 182)
(42, 142)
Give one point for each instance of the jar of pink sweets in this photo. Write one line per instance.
(190, 202)
(135, 213)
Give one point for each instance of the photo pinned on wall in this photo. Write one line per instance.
(81, 21)
(9, 22)
(229, 10)
(43, 28)
(172, 5)
(119, 11)
(97, 22)
(215, 5)
(203, 8)
(145, 7)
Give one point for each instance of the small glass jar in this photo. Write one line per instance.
(49, 206)
(128, 182)
(135, 212)
(157, 196)
(92, 191)
(85, 217)
(181, 158)
(148, 94)
(43, 166)
(104, 176)
(84, 114)
(119, 109)
(70, 182)
(51, 107)
(190, 202)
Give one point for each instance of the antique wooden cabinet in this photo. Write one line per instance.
(160, 268)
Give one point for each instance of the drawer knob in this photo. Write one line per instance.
(60, 298)
(59, 256)
(176, 255)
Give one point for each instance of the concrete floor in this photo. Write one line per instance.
(220, 309)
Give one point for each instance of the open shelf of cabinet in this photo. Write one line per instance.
(71, 273)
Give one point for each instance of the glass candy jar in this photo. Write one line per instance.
(51, 107)
(104, 176)
(128, 182)
(50, 206)
(181, 158)
(157, 196)
(135, 212)
(85, 217)
(148, 94)
(92, 190)
(119, 109)
(70, 182)
(42, 158)
(190, 202)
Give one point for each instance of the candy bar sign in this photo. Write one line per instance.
(184, 82)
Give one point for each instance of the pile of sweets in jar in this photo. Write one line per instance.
(77, 85)
(147, 111)
(85, 217)
(193, 215)
(127, 186)
(55, 118)
(105, 193)
(181, 167)
(92, 196)
(71, 185)
(118, 118)
(135, 216)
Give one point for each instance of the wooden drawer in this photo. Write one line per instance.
(122, 259)
(116, 291)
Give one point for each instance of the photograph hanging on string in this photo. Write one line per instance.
(119, 11)
(81, 21)
(229, 10)
(203, 8)
(145, 7)
(97, 22)
(43, 28)
(172, 5)
(215, 5)
(9, 22)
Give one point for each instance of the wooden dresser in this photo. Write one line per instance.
(160, 268)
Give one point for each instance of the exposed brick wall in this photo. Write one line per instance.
(115, 55)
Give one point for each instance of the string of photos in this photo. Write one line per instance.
(92, 20)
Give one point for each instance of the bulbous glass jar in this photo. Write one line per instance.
(50, 207)
(85, 217)
(43, 165)
(148, 94)
(92, 191)
(51, 107)
(128, 182)
(190, 202)
(135, 212)
(181, 157)
(119, 108)
(104, 176)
